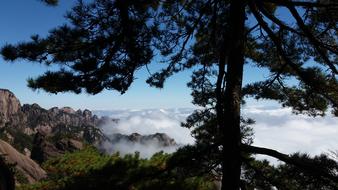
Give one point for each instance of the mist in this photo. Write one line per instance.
(145, 150)
(279, 129)
(146, 122)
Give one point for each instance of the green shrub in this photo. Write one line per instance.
(88, 169)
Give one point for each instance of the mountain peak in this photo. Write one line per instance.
(9, 105)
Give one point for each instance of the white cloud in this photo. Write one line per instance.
(150, 121)
(146, 122)
(145, 150)
(275, 128)
(279, 129)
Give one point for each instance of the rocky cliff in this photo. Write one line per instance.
(32, 129)
(9, 104)
(23, 164)
(9, 107)
(44, 148)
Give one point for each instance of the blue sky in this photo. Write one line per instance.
(21, 18)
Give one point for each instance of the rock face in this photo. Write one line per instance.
(9, 106)
(55, 116)
(162, 139)
(30, 169)
(43, 149)
(30, 128)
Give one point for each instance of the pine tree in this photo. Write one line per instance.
(7, 181)
(108, 40)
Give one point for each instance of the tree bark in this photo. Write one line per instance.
(231, 166)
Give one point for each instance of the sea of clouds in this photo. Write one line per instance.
(146, 122)
(279, 129)
(275, 128)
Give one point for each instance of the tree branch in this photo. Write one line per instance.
(280, 50)
(251, 29)
(276, 20)
(300, 3)
(313, 40)
(306, 166)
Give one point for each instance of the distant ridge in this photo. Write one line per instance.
(42, 133)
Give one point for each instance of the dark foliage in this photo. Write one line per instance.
(105, 44)
(263, 175)
(6, 176)
(20, 139)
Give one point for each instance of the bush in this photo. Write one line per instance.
(88, 169)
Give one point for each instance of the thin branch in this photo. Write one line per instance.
(306, 166)
(277, 76)
(300, 3)
(313, 40)
(280, 50)
(191, 32)
(251, 29)
(325, 30)
(148, 70)
(277, 21)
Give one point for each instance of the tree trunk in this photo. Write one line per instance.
(232, 100)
